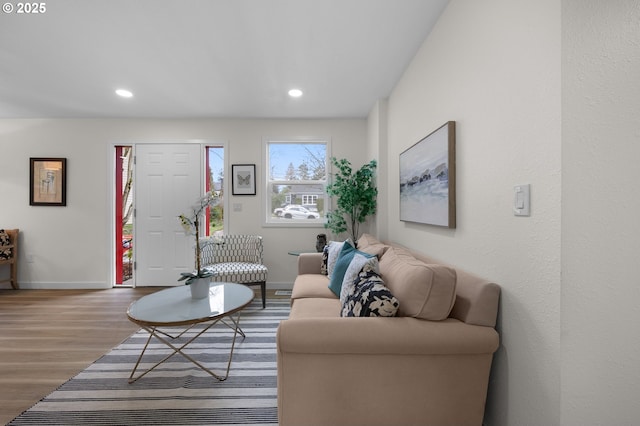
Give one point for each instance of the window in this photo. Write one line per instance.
(215, 183)
(296, 181)
(309, 199)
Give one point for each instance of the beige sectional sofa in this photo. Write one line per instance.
(427, 366)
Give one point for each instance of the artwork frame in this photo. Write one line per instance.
(243, 179)
(47, 181)
(428, 179)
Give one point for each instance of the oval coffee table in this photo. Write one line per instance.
(174, 307)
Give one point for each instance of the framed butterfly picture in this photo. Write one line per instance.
(243, 179)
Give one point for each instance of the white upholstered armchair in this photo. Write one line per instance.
(237, 259)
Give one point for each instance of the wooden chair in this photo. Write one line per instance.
(9, 256)
(236, 259)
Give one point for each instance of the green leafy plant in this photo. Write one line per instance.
(355, 193)
(191, 226)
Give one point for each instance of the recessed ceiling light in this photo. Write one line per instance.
(124, 93)
(295, 93)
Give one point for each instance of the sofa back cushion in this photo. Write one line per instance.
(477, 299)
(369, 244)
(426, 291)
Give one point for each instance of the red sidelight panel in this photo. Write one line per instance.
(207, 184)
(118, 225)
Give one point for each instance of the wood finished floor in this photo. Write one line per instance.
(49, 336)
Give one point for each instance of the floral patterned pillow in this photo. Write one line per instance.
(325, 259)
(370, 297)
(4, 241)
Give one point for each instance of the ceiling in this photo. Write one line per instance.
(208, 58)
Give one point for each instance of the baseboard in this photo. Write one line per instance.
(99, 285)
(84, 285)
(279, 286)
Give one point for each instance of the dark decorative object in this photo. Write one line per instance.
(321, 241)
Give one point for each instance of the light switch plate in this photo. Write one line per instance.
(522, 200)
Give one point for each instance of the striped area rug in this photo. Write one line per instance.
(177, 392)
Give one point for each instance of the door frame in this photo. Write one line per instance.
(111, 169)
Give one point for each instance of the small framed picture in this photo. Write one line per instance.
(48, 181)
(243, 179)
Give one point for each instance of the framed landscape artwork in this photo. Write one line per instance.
(428, 179)
(243, 178)
(47, 181)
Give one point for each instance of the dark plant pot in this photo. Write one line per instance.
(321, 241)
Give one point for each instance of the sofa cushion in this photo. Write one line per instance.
(238, 272)
(424, 291)
(359, 262)
(366, 240)
(311, 286)
(370, 298)
(315, 308)
(369, 244)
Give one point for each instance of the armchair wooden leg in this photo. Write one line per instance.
(263, 288)
(14, 276)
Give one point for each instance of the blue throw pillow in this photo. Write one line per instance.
(333, 251)
(342, 264)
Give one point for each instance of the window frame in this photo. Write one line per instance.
(268, 219)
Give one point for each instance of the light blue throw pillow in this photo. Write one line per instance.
(359, 262)
(333, 252)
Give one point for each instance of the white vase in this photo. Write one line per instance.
(200, 288)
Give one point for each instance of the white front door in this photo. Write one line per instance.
(168, 181)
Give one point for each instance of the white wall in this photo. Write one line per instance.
(377, 149)
(494, 68)
(70, 245)
(600, 213)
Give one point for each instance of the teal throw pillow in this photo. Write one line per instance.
(340, 268)
(333, 251)
(342, 264)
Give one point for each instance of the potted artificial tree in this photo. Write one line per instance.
(355, 193)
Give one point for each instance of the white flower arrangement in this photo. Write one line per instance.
(191, 226)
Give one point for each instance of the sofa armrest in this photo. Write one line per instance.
(384, 336)
(309, 263)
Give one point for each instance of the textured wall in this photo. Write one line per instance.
(494, 68)
(600, 220)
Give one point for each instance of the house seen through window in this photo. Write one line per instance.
(296, 181)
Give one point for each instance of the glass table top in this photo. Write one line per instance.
(174, 306)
